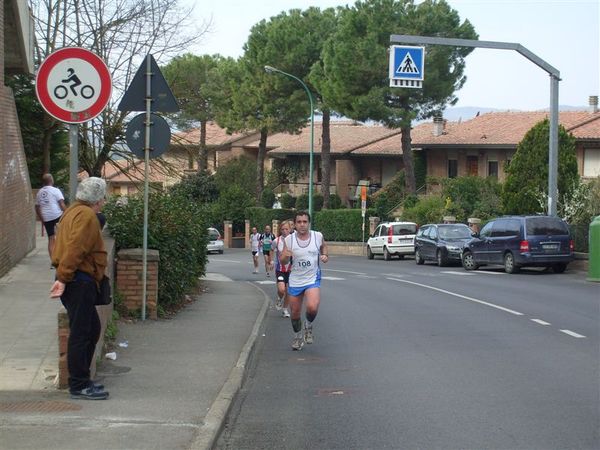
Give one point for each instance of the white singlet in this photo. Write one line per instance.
(305, 259)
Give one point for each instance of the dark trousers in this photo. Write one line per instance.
(79, 300)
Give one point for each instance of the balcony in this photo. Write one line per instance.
(19, 39)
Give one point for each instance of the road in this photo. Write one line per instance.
(423, 357)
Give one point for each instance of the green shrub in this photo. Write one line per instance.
(472, 197)
(176, 228)
(287, 201)
(200, 187)
(232, 206)
(239, 172)
(267, 198)
(343, 225)
(259, 217)
(427, 210)
(302, 202)
(335, 201)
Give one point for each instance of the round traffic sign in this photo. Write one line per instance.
(160, 135)
(73, 85)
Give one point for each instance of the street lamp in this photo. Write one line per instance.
(270, 69)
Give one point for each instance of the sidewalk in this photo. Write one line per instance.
(170, 388)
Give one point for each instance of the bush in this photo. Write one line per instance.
(267, 198)
(287, 201)
(259, 217)
(343, 225)
(472, 197)
(176, 228)
(239, 172)
(302, 202)
(335, 201)
(427, 210)
(232, 206)
(200, 187)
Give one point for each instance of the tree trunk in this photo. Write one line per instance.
(325, 158)
(260, 164)
(409, 167)
(202, 154)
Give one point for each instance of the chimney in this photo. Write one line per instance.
(593, 104)
(438, 126)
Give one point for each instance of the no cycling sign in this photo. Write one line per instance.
(73, 85)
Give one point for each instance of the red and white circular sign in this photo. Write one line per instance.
(73, 85)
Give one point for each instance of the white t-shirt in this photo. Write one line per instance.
(254, 241)
(48, 199)
(305, 258)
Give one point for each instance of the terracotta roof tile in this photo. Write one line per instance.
(215, 136)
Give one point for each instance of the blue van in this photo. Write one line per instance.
(519, 241)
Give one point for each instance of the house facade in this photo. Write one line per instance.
(17, 222)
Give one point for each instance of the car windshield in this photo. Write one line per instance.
(404, 229)
(454, 232)
(538, 226)
(213, 235)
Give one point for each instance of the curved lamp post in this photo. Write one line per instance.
(270, 69)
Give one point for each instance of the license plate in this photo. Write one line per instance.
(550, 247)
(405, 241)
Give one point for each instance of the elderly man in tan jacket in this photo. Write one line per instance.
(80, 259)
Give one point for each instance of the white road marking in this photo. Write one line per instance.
(573, 334)
(471, 299)
(541, 322)
(453, 272)
(224, 260)
(486, 272)
(368, 277)
(343, 271)
(265, 282)
(215, 277)
(332, 278)
(398, 275)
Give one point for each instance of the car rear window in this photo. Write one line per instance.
(537, 226)
(213, 235)
(403, 229)
(456, 232)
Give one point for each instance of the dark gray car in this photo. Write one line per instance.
(442, 243)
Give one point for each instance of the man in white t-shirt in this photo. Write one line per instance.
(49, 206)
(254, 241)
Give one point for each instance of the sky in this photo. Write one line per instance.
(564, 33)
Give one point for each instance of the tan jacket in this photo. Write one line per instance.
(79, 244)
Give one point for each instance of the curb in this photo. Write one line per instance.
(212, 425)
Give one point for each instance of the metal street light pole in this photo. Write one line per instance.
(270, 69)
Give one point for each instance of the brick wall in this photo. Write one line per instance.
(129, 279)
(17, 221)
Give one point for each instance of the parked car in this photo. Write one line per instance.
(519, 241)
(442, 243)
(392, 238)
(215, 241)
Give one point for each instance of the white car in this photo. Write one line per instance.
(215, 241)
(392, 238)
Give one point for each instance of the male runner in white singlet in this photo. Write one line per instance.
(307, 250)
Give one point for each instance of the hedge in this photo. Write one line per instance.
(259, 217)
(342, 225)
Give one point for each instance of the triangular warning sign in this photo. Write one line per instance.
(163, 99)
(407, 65)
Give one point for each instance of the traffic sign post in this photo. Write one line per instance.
(407, 66)
(73, 85)
(363, 207)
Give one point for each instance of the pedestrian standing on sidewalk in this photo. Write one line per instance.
(80, 260)
(254, 244)
(307, 250)
(282, 271)
(49, 207)
(266, 245)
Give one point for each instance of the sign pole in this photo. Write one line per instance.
(73, 160)
(146, 164)
(363, 207)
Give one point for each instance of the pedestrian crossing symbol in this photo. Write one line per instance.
(407, 66)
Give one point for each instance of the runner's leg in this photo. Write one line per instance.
(296, 310)
(313, 299)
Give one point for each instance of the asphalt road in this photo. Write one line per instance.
(423, 357)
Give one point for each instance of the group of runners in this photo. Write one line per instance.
(295, 256)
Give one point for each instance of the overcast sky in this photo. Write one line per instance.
(564, 33)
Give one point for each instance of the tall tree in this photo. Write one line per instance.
(526, 188)
(355, 64)
(193, 80)
(121, 32)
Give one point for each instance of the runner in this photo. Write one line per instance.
(266, 245)
(254, 240)
(282, 271)
(307, 250)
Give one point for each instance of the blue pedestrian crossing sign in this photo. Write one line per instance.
(407, 66)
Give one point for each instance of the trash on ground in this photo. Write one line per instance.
(124, 344)
(111, 355)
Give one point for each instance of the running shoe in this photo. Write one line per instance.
(286, 312)
(279, 304)
(297, 343)
(308, 334)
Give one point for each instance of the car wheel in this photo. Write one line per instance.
(509, 263)
(441, 258)
(468, 261)
(220, 252)
(559, 268)
(400, 256)
(418, 258)
(386, 254)
(370, 254)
